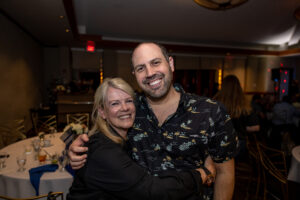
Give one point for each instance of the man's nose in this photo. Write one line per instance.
(149, 71)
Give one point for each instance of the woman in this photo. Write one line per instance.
(243, 119)
(109, 172)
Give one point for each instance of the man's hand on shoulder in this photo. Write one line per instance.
(77, 152)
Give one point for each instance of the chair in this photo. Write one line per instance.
(248, 171)
(274, 165)
(79, 118)
(19, 127)
(45, 123)
(11, 132)
(50, 196)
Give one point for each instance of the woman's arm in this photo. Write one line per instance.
(109, 168)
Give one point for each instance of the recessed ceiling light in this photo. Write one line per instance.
(61, 16)
(67, 30)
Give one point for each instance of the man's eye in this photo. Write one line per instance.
(139, 69)
(155, 63)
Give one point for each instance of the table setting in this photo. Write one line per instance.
(34, 166)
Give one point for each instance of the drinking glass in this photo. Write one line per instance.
(21, 161)
(36, 146)
(42, 157)
(52, 131)
(3, 157)
(63, 160)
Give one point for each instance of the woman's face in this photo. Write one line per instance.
(119, 110)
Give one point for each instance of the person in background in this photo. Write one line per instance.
(109, 172)
(243, 119)
(284, 129)
(174, 130)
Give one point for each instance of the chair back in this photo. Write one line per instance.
(274, 164)
(19, 127)
(49, 196)
(45, 123)
(79, 118)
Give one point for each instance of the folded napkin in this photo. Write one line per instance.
(37, 172)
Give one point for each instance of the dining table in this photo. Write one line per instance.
(294, 172)
(16, 184)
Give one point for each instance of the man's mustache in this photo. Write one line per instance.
(153, 77)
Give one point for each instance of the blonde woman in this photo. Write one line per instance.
(109, 173)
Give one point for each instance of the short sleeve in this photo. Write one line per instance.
(223, 142)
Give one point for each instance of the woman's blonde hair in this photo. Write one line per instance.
(232, 96)
(99, 124)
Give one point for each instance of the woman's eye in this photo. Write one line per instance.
(129, 101)
(114, 104)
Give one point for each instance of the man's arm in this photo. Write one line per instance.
(77, 152)
(224, 183)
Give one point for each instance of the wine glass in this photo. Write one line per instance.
(3, 157)
(21, 161)
(63, 160)
(36, 146)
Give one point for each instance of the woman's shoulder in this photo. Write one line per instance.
(99, 140)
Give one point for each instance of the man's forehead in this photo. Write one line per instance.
(148, 51)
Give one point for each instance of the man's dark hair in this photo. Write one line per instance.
(162, 48)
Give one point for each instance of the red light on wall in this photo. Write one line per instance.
(281, 65)
(276, 88)
(285, 72)
(283, 91)
(90, 46)
(280, 71)
(284, 81)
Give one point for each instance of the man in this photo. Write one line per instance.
(174, 130)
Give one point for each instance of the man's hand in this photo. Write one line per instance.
(77, 152)
(209, 164)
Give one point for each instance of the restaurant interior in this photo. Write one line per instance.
(54, 54)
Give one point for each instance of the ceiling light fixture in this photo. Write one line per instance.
(219, 4)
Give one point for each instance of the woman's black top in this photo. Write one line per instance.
(110, 174)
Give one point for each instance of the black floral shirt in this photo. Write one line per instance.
(200, 127)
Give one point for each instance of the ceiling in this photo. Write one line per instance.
(257, 24)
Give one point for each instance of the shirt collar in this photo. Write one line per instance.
(143, 103)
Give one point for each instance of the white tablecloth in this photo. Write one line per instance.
(17, 184)
(294, 173)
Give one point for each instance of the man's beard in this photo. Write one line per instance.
(162, 91)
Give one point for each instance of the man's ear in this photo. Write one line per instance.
(171, 63)
(101, 113)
